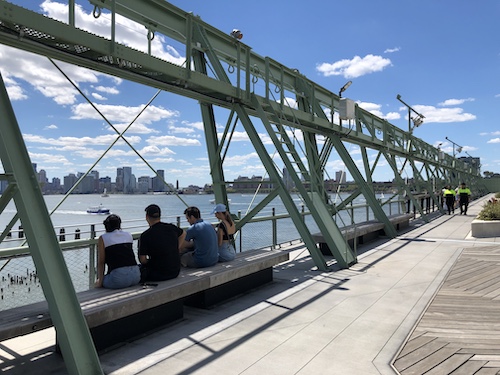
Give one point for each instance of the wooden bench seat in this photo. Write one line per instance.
(114, 316)
(365, 231)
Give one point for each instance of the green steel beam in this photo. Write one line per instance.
(211, 138)
(284, 194)
(314, 200)
(73, 334)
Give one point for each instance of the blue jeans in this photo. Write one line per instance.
(226, 252)
(122, 277)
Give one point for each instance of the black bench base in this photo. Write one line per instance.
(126, 329)
(211, 297)
(121, 331)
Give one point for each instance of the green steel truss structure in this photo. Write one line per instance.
(223, 75)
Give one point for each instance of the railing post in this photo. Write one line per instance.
(240, 236)
(62, 235)
(274, 227)
(92, 257)
(179, 221)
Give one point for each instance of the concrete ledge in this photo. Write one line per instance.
(485, 228)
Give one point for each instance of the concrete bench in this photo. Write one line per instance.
(365, 231)
(116, 316)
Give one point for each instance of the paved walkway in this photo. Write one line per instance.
(354, 321)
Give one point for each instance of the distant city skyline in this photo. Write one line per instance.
(126, 182)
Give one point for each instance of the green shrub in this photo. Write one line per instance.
(491, 209)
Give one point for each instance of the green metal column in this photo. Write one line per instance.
(366, 190)
(211, 140)
(73, 334)
(283, 192)
(315, 202)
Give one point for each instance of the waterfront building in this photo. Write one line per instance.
(119, 180)
(157, 182)
(69, 181)
(144, 184)
(340, 177)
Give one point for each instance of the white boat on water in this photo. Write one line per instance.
(105, 193)
(213, 201)
(98, 210)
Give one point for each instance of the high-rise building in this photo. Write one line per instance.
(119, 179)
(158, 184)
(287, 180)
(127, 180)
(42, 176)
(144, 184)
(340, 177)
(69, 181)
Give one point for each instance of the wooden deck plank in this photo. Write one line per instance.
(450, 364)
(429, 362)
(415, 343)
(487, 371)
(416, 356)
(459, 333)
(469, 367)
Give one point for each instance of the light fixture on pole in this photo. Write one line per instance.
(417, 120)
(236, 34)
(458, 147)
(345, 87)
(344, 104)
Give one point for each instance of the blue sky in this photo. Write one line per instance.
(442, 57)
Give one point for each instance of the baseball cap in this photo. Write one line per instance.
(219, 208)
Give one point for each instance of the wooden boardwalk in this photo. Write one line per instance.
(459, 333)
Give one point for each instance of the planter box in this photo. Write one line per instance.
(485, 228)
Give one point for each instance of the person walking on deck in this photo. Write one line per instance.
(449, 196)
(464, 194)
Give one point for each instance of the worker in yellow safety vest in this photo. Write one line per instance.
(449, 196)
(464, 197)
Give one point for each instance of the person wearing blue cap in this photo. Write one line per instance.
(225, 233)
(200, 243)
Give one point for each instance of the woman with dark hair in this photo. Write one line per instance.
(114, 249)
(225, 233)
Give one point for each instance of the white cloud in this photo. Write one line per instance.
(78, 142)
(121, 116)
(98, 96)
(39, 72)
(494, 140)
(180, 130)
(356, 67)
(14, 90)
(51, 127)
(442, 115)
(49, 158)
(376, 110)
(392, 50)
(107, 90)
(241, 160)
(450, 102)
(198, 125)
(169, 140)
